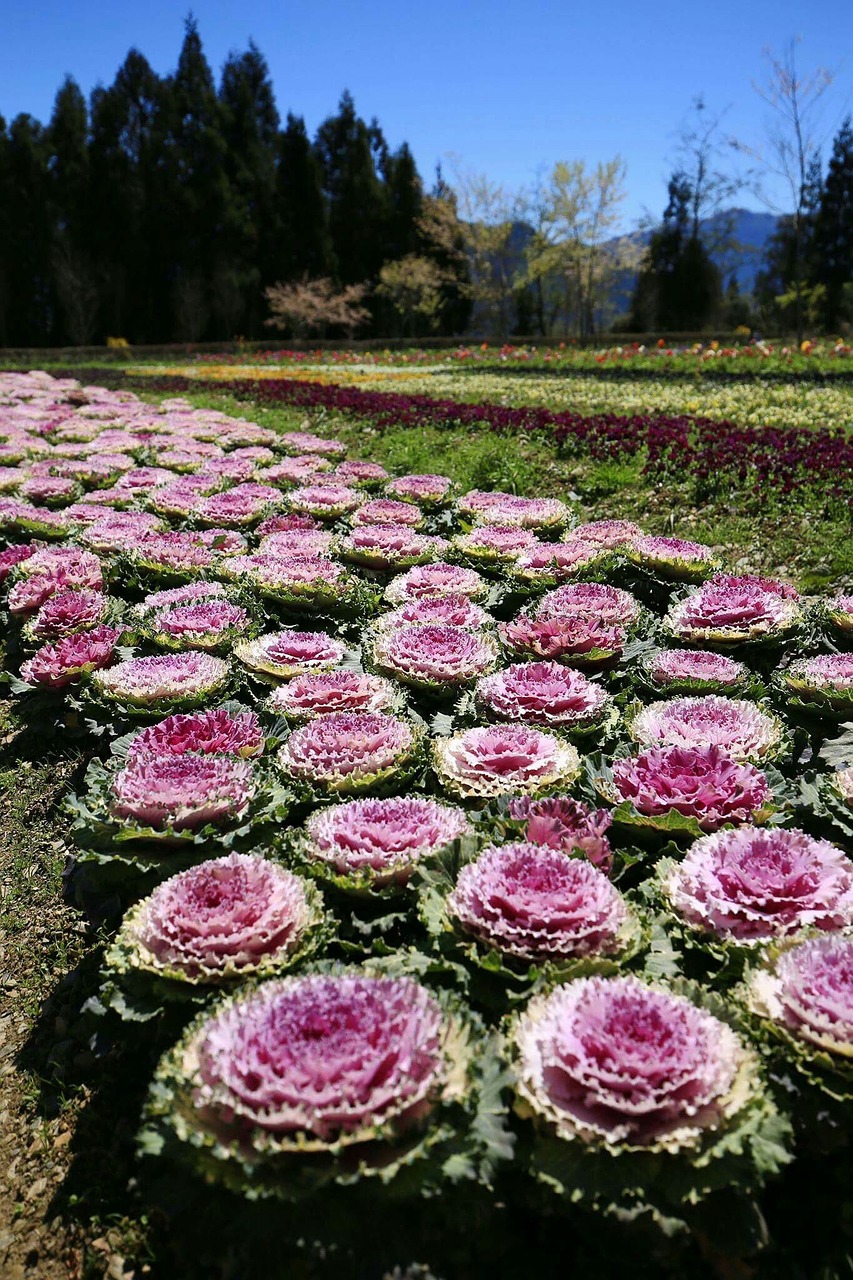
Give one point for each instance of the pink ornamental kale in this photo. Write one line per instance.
(296, 542)
(611, 1061)
(420, 488)
(808, 992)
(543, 693)
(13, 555)
(308, 443)
(328, 1058)
(609, 605)
(322, 693)
(190, 594)
(751, 885)
(387, 511)
(703, 783)
(452, 610)
(228, 917)
(67, 612)
(565, 824)
(367, 473)
(534, 903)
(390, 546)
(496, 544)
(204, 623)
(55, 665)
(216, 732)
(609, 534)
(732, 610)
(839, 610)
(735, 725)
(291, 653)
(674, 557)
(554, 561)
(384, 839)
(427, 581)
(503, 760)
(183, 792)
(822, 682)
(581, 640)
(348, 750)
(433, 657)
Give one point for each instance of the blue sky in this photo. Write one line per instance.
(507, 87)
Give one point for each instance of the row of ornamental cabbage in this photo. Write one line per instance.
(449, 835)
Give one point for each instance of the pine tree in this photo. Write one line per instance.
(833, 229)
(31, 318)
(193, 191)
(678, 287)
(123, 217)
(303, 243)
(346, 148)
(250, 129)
(75, 272)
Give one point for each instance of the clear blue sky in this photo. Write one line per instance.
(508, 87)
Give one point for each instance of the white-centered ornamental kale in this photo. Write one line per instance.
(192, 593)
(693, 671)
(285, 654)
(618, 1070)
(703, 785)
(429, 581)
(735, 725)
(377, 844)
(231, 918)
(837, 614)
(544, 693)
(494, 546)
(434, 659)
(430, 490)
(674, 559)
(510, 759)
(325, 501)
(390, 547)
(157, 685)
(308, 1081)
(803, 996)
(215, 732)
(352, 752)
(509, 509)
(307, 696)
(532, 903)
(753, 885)
(728, 610)
(822, 685)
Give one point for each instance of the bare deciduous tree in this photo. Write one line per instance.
(488, 216)
(311, 306)
(793, 138)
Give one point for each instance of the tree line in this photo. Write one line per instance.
(164, 207)
(175, 209)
